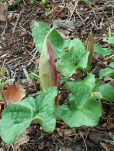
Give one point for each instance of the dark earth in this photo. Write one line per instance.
(17, 53)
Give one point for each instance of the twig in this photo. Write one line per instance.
(74, 8)
(80, 17)
(59, 12)
(6, 25)
(12, 147)
(103, 13)
(104, 146)
(83, 140)
(13, 60)
(108, 141)
(109, 57)
(24, 29)
(29, 63)
(26, 73)
(12, 73)
(15, 26)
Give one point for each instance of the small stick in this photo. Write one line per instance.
(74, 8)
(83, 140)
(13, 147)
(26, 73)
(109, 57)
(6, 19)
(15, 26)
(58, 12)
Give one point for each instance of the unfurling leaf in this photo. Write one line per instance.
(49, 76)
(90, 47)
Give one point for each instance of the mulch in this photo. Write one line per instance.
(18, 54)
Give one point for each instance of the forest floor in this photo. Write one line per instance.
(17, 53)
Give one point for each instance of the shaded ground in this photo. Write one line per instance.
(18, 54)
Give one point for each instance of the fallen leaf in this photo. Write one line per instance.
(14, 94)
(65, 132)
(64, 24)
(23, 139)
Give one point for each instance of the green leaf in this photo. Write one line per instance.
(85, 1)
(9, 81)
(77, 46)
(75, 58)
(67, 64)
(1, 84)
(107, 92)
(84, 109)
(111, 64)
(87, 116)
(1, 97)
(43, 2)
(110, 40)
(102, 51)
(39, 33)
(17, 117)
(19, 1)
(33, 75)
(80, 90)
(59, 44)
(15, 120)
(63, 79)
(45, 109)
(107, 72)
(83, 60)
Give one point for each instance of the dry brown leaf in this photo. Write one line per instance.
(65, 132)
(23, 139)
(14, 94)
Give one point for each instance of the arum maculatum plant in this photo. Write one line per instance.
(90, 47)
(84, 107)
(49, 76)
